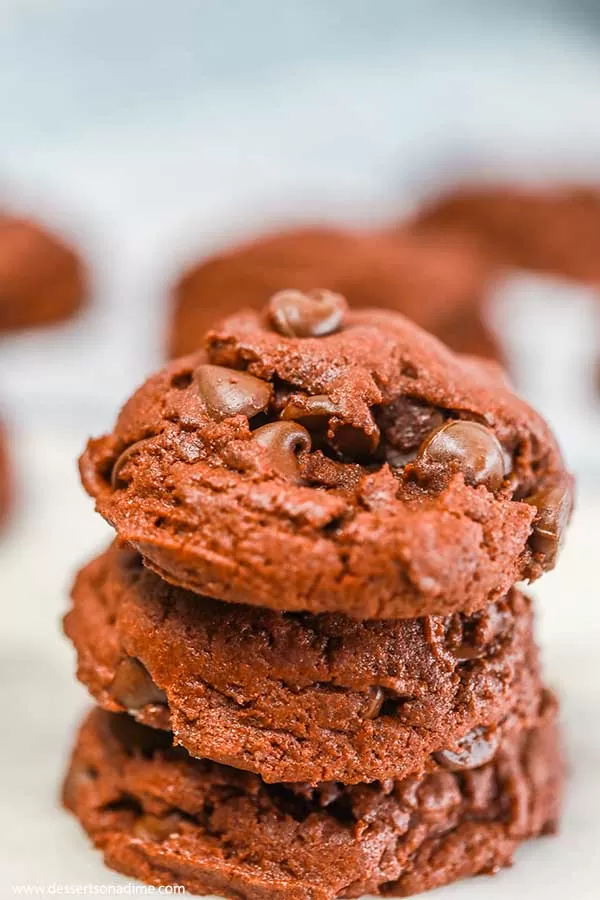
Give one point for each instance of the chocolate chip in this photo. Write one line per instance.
(314, 314)
(405, 423)
(375, 702)
(283, 441)
(311, 411)
(133, 687)
(554, 506)
(472, 637)
(352, 442)
(477, 748)
(116, 481)
(320, 412)
(462, 446)
(156, 828)
(227, 392)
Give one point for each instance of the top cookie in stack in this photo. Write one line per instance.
(317, 459)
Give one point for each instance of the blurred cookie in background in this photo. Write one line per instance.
(438, 281)
(42, 280)
(6, 488)
(552, 229)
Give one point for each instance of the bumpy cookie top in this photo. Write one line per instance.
(314, 458)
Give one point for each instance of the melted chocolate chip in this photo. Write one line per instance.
(354, 443)
(462, 446)
(313, 412)
(227, 392)
(116, 481)
(133, 687)
(375, 702)
(471, 637)
(477, 748)
(405, 423)
(283, 441)
(156, 828)
(554, 506)
(320, 414)
(314, 314)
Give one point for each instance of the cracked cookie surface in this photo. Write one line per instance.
(298, 697)
(158, 815)
(366, 470)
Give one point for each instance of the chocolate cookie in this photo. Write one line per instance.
(158, 815)
(319, 459)
(554, 229)
(440, 284)
(41, 279)
(297, 697)
(5, 478)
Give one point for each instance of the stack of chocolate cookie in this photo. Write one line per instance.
(314, 675)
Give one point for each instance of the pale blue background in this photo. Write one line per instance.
(151, 131)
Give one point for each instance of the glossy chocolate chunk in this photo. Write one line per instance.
(355, 443)
(554, 505)
(315, 314)
(320, 414)
(133, 687)
(405, 423)
(375, 702)
(283, 441)
(463, 446)
(312, 411)
(476, 749)
(227, 392)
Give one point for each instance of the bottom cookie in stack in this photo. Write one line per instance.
(164, 817)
